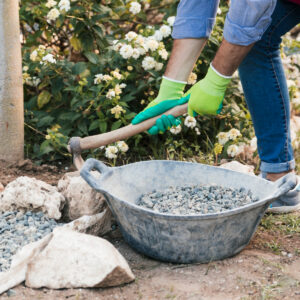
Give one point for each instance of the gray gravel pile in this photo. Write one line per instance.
(18, 229)
(200, 199)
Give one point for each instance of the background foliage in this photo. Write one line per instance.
(66, 44)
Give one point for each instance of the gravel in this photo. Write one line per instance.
(199, 199)
(18, 229)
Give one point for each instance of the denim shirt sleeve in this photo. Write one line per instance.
(195, 18)
(247, 20)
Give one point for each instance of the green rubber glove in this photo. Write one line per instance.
(169, 96)
(206, 96)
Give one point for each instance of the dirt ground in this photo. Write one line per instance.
(268, 268)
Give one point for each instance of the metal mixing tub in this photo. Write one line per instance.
(178, 238)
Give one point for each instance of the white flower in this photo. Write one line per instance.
(116, 45)
(136, 53)
(118, 90)
(25, 68)
(192, 78)
(290, 83)
(98, 78)
(53, 14)
(111, 152)
(197, 131)
(222, 138)
(157, 35)
(175, 129)
(64, 5)
(190, 122)
(219, 11)
(140, 40)
(158, 66)
(253, 144)
(107, 78)
(51, 3)
(152, 44)
(123, 147)
(33, 55)
(49, 58)
(126, 51)
(131, 35)
(135, 8)
(163, 53)
(35, 81)
(233, 133)
(110, 94)
(123, 85)
(232, 150)
(117, 110)
(148, 63)
(171, 20)
(116, 74)
(165, 30)
(141, 50)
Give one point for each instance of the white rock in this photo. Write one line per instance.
(81, 199)
(17, 272)
(238, 167)
(74, 260)
(27, 193)
(98, 224)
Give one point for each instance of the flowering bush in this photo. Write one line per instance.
(90, 66)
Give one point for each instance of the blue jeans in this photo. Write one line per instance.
(267, 94)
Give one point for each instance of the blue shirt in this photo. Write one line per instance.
(245, 23)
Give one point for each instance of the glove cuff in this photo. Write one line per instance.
(170, 89)
(217, 79)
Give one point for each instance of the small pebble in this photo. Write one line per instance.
(200, 199)
(18, 229)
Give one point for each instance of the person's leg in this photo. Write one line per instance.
(267, 96)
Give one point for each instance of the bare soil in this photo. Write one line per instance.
(268, 268)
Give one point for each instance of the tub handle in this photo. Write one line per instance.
(284, 184)
(85, 172)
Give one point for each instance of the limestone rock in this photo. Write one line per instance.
(17, 272)
(27, 193)
(99, 224)
(238, 167)
(81, 199)
(74, 260)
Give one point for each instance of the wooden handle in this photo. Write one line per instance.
(95, 141)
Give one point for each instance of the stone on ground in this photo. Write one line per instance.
(81, 199)
(26, 193)
(238, 167)
(75, 260)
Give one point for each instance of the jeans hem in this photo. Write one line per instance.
(277, 167)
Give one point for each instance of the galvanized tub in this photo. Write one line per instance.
(178, 238)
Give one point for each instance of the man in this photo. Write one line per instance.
(252, 37)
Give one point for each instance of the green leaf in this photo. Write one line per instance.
(82, 126)
(76, 44)
(46, 147)
(92, 57)
(103, 126)
(45, 121)
(94, 125)
(116, 125)
(130, 116)
(79, 68)
(43, 98)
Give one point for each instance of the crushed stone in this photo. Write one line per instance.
(198, 199)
